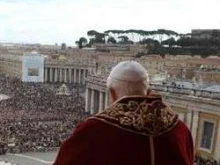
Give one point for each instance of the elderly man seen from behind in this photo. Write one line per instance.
(138, 128)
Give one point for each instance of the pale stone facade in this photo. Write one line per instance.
(65, 74)
(54, 71)
(96, 94)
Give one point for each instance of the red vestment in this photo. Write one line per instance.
(133, 131)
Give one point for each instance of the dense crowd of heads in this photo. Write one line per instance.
(202, 161)
(35, 118)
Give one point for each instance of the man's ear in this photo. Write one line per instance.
(113, 94)
(149, 92)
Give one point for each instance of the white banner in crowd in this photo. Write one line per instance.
(33, 68)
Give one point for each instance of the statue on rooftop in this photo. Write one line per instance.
(184, 74)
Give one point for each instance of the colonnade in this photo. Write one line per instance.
(65, 75)
(96, 101)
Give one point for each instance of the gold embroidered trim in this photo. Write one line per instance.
(154, 96)
(151, 119)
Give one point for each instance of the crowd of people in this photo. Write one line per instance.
(35, 118)
(202, 161)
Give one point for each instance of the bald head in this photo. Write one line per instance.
(129, 71)
(128, 78)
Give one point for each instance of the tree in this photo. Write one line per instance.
(111, 40)
(164, 32)
(92, 33)
(153, 46)
(63, 46)
(96, 37)
(77, 43)
(185, 41)
(152, 33)
(170, 42)
(131, 32)
(123, 39)
(82, 42)
(149, 41)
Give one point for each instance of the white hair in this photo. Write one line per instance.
(128, 78)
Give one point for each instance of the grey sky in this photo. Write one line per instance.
(50, 21)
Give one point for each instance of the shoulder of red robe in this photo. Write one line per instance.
(76, 148)
(148, 116)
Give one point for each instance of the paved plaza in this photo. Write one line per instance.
(32, 158)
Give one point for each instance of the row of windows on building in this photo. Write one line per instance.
(206, 133)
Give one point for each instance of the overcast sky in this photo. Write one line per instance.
(57, 21)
